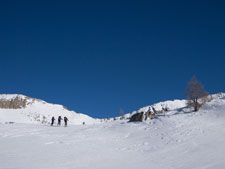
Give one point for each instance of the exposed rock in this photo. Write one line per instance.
(141, 116)
(65, 108)
(137, 117)
(14, 103)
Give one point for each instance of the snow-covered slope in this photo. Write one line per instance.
(23, 109)
(177, 139)
(171, 107)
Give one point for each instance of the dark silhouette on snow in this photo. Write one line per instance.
(65, 121)
(59, 121)
(53, 120)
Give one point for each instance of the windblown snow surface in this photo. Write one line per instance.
(178, 139)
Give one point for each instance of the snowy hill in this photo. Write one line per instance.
(23, 109)
(176, 139)
(170, 107)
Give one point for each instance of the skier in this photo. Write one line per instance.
(59, 121)
(65, 121)
(53, 119)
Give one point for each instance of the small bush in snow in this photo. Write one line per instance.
(122, 114)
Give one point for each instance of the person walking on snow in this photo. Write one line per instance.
(59, 121)
(53, 119)
(65, 121)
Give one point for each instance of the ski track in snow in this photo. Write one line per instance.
(174, 142)
(178, 140)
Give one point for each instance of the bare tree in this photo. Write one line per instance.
(122, 113)
(196, 95)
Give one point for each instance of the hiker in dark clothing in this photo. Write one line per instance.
(65, 121)
(53, 119)
(59, 121)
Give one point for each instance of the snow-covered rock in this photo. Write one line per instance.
(170, 107)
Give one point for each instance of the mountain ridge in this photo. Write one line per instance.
(19, 108)
(176, 139)
(23, 109)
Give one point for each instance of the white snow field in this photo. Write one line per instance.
(38, 111)
(178, 139)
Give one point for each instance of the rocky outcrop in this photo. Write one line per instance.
(137, 117)
(14, 103)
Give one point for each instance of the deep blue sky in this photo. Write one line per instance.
(96, 57)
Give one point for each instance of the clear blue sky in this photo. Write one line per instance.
(96, 57)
